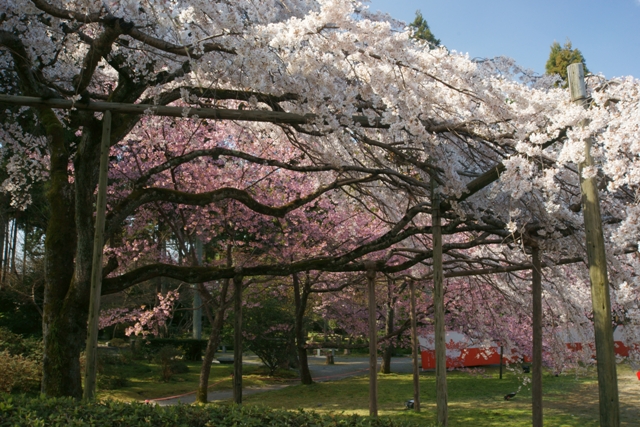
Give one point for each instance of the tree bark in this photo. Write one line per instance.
(65, 309)
(388, 330)
(212, 345)
(301, 297)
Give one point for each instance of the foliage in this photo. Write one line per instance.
(20, 363)
(561, 57)
(20, 411)
(168, 357)
(421, 31)
(20, 374)
(19, 314)
(268, 332)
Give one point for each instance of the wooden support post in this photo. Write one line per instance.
(197, 299)
(373, 341)
(600, 299)
(536, 368)
(237, 338)
(96, 267)
(414, 347)
(501, 359)
(438, 305)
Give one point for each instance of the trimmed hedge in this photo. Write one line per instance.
(20, 411)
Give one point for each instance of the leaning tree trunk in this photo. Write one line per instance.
(212, 345)
(301, 298)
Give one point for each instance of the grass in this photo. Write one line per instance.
(143, 380)
(474, 399)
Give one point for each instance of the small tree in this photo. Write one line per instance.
(421, 31)
(269, 333)
(561, 57)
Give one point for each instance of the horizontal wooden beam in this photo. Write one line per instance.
(278, 117)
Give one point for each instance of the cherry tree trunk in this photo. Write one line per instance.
(536, 371)
(388, 329)
(68, 257)
(301, 297)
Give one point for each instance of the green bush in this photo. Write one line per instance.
(112, 382)
(170, 364)
(20, 411)
(19, 374)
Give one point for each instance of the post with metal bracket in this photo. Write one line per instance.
(596, 256)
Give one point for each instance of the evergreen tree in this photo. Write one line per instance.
(561, 57)
(421, 30)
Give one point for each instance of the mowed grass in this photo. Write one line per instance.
(475, 400)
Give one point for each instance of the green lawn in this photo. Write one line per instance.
(474, 400)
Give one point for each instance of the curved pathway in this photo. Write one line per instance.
(344, 367)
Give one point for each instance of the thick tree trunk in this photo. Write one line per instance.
(301, 298)
(65, 309)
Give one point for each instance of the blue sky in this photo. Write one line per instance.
(607, 32)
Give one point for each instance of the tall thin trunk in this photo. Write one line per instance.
(14, 249)
(212, 344)
(388, 330)
(3, 233)
(217, 321)
(300, 298)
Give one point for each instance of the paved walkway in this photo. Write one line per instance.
(344, 367)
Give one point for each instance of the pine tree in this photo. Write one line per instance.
(561, 57)
(421, 30)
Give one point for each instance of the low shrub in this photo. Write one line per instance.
(20, 411)
(112, 382)
(19, 374)
(170, 364)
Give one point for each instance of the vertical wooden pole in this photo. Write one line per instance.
(237, 338)
(600, 299)
(414, 347)
(536, 368)
(373, 341)
(501, 359)
(438, 304)
(197, 299)
(96, 267)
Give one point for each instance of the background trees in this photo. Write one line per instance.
(561, 57)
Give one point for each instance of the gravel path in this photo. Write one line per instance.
(344, 367)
